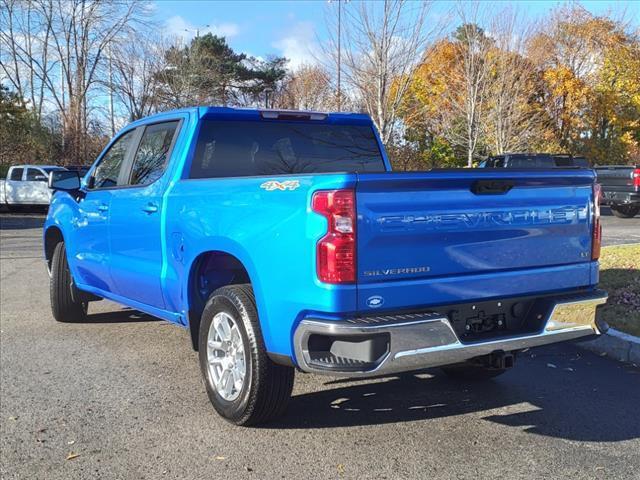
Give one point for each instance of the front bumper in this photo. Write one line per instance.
(406, 342)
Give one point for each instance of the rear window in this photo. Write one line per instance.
(537, 161)
(240, 149)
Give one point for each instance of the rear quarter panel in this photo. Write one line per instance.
(272, 232)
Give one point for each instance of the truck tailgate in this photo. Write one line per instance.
(443, 225)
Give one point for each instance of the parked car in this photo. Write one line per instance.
(620, 189)
(534, 160)
(282, 240)
(26, 185)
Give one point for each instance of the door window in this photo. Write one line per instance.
(151, 158)
(107, 172)
(35, 175)
(16, 174)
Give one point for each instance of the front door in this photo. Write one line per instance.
(90, 251)
(38, 192)
(136, 215)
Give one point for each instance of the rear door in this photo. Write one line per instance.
(136, 218)
(443, 224)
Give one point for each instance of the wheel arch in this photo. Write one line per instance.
(52, 237)
(210, 270)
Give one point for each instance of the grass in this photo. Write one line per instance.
(620, 276)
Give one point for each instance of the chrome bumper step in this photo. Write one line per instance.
(378, 345)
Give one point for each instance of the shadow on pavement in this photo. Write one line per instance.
(20, 221)
(121, 316)
(577, 399)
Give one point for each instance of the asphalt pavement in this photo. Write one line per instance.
(618, 231)
(120, 396)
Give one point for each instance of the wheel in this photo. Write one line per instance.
(66, 304)
(243, 384)
(625, 211)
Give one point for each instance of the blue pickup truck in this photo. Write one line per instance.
(282, 240)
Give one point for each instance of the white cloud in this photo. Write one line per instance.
(299, 45)
(181, 28)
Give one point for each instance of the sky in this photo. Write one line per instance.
(294, 29)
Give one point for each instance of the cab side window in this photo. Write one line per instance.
(152, 156)
(107, 172)
(35, 175)
(16, 174)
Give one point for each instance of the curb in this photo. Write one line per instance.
(617, 345)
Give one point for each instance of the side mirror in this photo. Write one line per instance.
(64, 180)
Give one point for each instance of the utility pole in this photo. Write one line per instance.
(113, 123)
(339, 52)
(339, 59)
(64, 106)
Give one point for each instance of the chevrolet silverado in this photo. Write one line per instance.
(282, 240)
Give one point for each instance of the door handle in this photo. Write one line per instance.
(103, 207)
(150, 208)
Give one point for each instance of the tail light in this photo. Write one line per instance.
(596, 243)
(636, 178)
(336, 251)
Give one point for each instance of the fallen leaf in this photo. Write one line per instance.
(72, 455)
(340, 468)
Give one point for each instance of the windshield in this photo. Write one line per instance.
(245, 148)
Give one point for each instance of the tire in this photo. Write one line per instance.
(66, 305)
(625, 211)
(472, 373)
(266, 386)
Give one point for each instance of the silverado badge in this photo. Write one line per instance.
(272, 185)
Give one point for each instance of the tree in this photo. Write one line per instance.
(383, 43)
(132, 67)
(69, 55)
(468, 87)
(426, 109)
(209, 72)
(514, 120)
(23, 139)
(309, 87)
(580, 59)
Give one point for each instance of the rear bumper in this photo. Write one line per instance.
(405, 342)
(620, 198)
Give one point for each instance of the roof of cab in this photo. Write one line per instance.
(241, 113)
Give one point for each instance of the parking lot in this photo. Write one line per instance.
(121, 397)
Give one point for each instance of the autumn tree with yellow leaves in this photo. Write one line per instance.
(571, 86)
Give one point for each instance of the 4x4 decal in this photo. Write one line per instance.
(272, 185)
